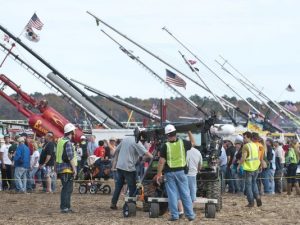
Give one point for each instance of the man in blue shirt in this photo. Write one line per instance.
(22, 164)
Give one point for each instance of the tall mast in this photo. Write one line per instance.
(48, 83)
(56, 72)
(209, 69)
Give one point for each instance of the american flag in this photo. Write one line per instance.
(35, 22)
(172, 78)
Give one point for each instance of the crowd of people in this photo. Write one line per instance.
(249, 164)
(27, 161)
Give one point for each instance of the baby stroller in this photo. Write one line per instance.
(90, 175)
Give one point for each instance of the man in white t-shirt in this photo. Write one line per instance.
(34, 167)
(5, 163)
(194, 163)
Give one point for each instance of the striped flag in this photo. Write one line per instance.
(172, 78)
(35, 22)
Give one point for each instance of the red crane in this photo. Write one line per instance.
(48, 120)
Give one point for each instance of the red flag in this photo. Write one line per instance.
(192, 62)
(6, 38)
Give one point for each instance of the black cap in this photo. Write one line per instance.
(23, 134)
(6, 135)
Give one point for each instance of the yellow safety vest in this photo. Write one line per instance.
(176, 154)
(60, 149)
(252, 161)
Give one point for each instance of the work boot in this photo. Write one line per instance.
(297, 188)
(250, 205)
(289, 189)
(258, 202)
(113, 206)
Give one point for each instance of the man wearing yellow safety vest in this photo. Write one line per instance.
(66, 167)
(251, 163)
(173, 161)
(292, 160)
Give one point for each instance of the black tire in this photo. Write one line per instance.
(214, 191)
(106, 189)
(210, 210)
(129, 209)
(93, 189)
(82, 189)
(154, 210)
(163, 208)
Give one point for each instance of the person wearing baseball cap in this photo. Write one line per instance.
(83, 146)
(173, 161)
(22, 164)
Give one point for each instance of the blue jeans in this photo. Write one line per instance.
(178, 181)
(271, 181)
(223, 174)
(66, 191)
(53, 182)
(21, 178)
(265, 175)
(30, 181)
(236, 182)
(230, 181)
(130, 178)
(193, 187)
(251, 186)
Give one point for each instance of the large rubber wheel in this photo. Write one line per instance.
(210, 210)
(82, 189)
(93, 189)
(214, 192)
(163, 208)
(129, 209)
(154, 210)
(106, 189)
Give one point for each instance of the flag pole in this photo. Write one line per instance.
(215, 97)
(137, 59)
(209, 69)
(260, 93)
(12, 46)
(166, 63)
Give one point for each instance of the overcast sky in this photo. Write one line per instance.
(259, 37)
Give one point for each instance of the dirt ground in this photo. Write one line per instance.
(41, 208)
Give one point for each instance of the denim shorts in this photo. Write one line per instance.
(49, 171)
